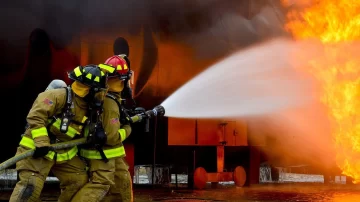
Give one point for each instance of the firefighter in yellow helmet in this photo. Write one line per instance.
(58, 115)
(119, 75)
(102, 163)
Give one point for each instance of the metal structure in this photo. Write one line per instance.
(214, 133)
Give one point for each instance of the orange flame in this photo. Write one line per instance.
(336, 23)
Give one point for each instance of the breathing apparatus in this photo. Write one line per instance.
(95, 98)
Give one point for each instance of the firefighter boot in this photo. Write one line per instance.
(101, 178)
(122, 189)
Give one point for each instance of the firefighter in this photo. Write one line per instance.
(102, 163)
(122, 190)
(104, 179)
(118, 77)
(59, 115)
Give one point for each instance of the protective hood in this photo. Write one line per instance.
(115, 85)
(80, 89)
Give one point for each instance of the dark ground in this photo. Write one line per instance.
(262, 192)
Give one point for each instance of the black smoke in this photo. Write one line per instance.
(227, 25)
(213, 28)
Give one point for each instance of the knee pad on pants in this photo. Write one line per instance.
(73, 182)
(124, 180)
(29, 187)
(70, 186)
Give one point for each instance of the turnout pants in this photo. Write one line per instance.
(33, 172)
(101, 179)
(122, 189)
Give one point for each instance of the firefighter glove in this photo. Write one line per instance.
(41, 151)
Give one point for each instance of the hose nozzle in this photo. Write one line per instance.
(157, 111)
(142, 114)
(160, 110)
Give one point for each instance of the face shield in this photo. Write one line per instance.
(115, 85)
(97, 96)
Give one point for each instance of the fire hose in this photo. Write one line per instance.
(57, 146)
(157, 111)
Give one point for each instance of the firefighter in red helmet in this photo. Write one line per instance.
(122, 189)
(119, 85)
(118, 72)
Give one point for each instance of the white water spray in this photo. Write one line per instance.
(256, 81)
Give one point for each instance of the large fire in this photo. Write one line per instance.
(336, 23)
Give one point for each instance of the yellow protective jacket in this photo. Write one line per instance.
(116, 133)
(44, 121)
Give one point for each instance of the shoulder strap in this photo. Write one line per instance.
(68, 103)
(124, 116)
(68, 96)
(114, 98)
(66, 108)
